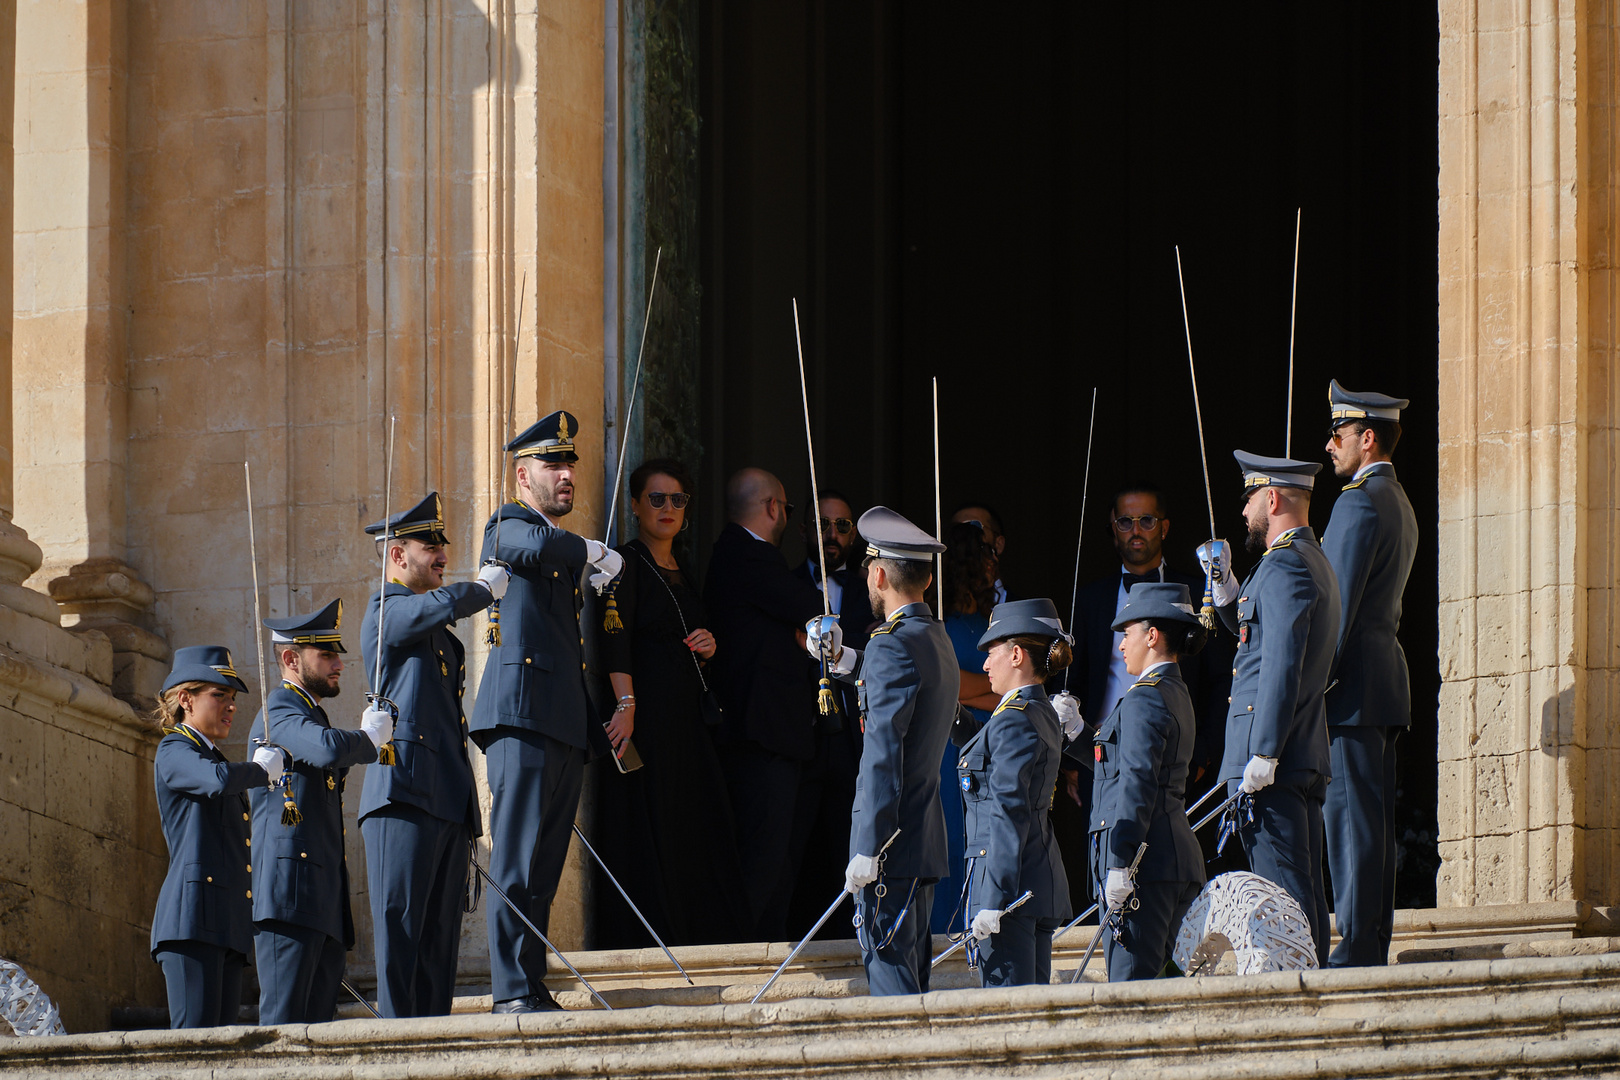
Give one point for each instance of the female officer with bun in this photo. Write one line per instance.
(1007, 772)
(1143, 753)
(203, 927)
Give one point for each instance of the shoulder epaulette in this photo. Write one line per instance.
(1013, 703)
(888, 625)
(1357, 483)
(300, 692)
(1150, 679)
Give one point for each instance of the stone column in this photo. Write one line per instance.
(1528, 413)
(70, 383)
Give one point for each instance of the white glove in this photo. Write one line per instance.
(1118, 888)
(862, 871)
(1215, 556)
(270, 761)
(985, 923)
(378, 724)
(608, 565)
(1068, 710)
(1259, 773)
(495, 578)
(823, 637)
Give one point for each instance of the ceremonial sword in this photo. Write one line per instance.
(535, 930)
(1085, 489)
(825, 915)
(632, 904)
(963, 940)
(385, 753)
(824, 696)
(1119, 912)
(1207, 615)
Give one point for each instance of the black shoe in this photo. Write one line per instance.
(541, 1002)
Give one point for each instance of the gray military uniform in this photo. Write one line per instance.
(1007, 772)
(906, 682)
(1139, 787)
(1287, 621)
(1371, 541)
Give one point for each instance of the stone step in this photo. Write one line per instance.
(1539, 1017)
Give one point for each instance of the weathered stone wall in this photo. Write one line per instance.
(254, 232)
(1528, 411)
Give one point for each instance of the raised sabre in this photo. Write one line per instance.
(824, 696)
(1207, 615)
(1085, 489)
(492, 636)
(385, 753)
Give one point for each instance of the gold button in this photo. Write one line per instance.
(582, 667)
(250, 868)
(1229, 699)
(1251, 708)
(303, 854)
(525, 659)
(210, 879)
(248, 841)
(1234, 671)
(250, 894)
(245, 818)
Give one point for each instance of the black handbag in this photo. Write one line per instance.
(708, 701)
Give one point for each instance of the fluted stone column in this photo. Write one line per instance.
(69, 369)
(1529, 538)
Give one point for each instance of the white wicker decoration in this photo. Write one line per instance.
(25, 1006)
(1256, 919)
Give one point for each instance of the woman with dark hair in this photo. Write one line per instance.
(666, 828)
(202, 929)
(1138, 795)
(1007, 772)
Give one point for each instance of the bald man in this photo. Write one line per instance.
(756, 607)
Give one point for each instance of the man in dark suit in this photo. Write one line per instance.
(418, 818)
(1138, 525)
(1286, 617)
(301, 915)
(756, 606)
(532, 719)
(907, 683)
(1371, 540)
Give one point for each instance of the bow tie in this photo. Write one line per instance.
(1129, 579)
(840, 575)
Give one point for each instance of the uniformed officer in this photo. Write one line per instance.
(203, 926)
(906, 683)
(419, 817)
(1143, 754)
(1371, 540)
(532, 718)
(1008, 771)
(301, 881)
(1286, 617)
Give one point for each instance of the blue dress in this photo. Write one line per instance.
(964, 632)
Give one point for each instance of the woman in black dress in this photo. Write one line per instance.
(666, 828)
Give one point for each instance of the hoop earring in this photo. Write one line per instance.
(686, 524)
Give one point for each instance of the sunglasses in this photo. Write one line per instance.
(677, 499)
(844, 526)
(1124, 525)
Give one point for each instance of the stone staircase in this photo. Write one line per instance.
(1551, 1015)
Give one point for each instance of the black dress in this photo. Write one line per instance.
(665, 829)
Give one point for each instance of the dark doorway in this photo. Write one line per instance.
(995, 200)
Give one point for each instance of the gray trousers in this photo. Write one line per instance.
(300, 973)
(534, 781)
(1359, 815)
(1020, 954)
(894, 935)
(416, 871)
(204, 983)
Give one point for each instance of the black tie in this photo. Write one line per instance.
(1130, 579)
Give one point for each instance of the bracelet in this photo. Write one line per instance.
(629, 697)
